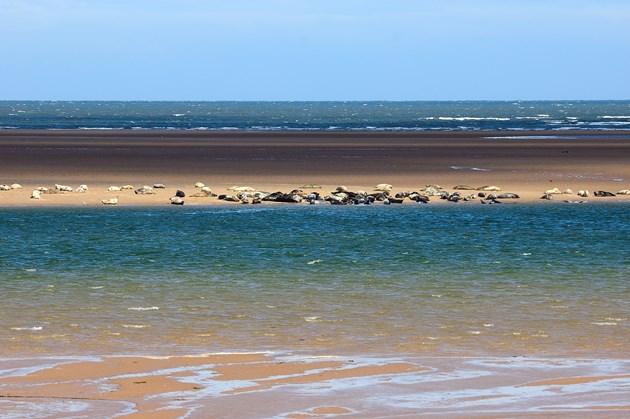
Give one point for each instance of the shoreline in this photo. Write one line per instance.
(300, 385)
(527, 163)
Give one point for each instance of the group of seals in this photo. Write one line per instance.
(549, 194)
(487, 194)
(381, 193)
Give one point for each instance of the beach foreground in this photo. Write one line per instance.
(525, 163)
(262, 385)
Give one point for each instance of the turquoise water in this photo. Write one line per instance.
(304, 116)
(507, 280)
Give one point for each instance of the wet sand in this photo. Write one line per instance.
(262, 385)
(286, 161)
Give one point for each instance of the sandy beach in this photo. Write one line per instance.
(525, 163)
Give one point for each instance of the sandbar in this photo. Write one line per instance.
(525, 163)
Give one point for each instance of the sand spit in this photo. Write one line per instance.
(72, 168)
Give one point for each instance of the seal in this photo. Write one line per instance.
(383, 187)
(284, 197)
(603, 193)
(145, 190)
(463, 188)
(508, 195)
(489, 188)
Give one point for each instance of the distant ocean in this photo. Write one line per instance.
(331, 116)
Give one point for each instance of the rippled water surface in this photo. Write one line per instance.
(305, 116)
(504, 280)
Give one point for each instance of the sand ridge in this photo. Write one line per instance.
(525, 163)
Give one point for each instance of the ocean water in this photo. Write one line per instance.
(510, 280)
(304, 116)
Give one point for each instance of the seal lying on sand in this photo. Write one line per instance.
(603, 193)
(489, 188)
(284, 197)
(507, 195)
(145, 190)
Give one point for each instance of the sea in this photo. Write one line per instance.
(487, 280)
(328, 116)
(506, 280)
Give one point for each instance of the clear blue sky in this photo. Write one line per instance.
(314, 49)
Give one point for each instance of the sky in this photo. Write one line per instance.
(314, 49)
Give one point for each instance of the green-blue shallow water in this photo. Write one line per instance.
(504, 280)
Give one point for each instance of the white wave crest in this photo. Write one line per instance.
(143, 308)
(610, 123)
(312, 319)
(470, 118)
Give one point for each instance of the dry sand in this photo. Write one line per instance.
(285, 161)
